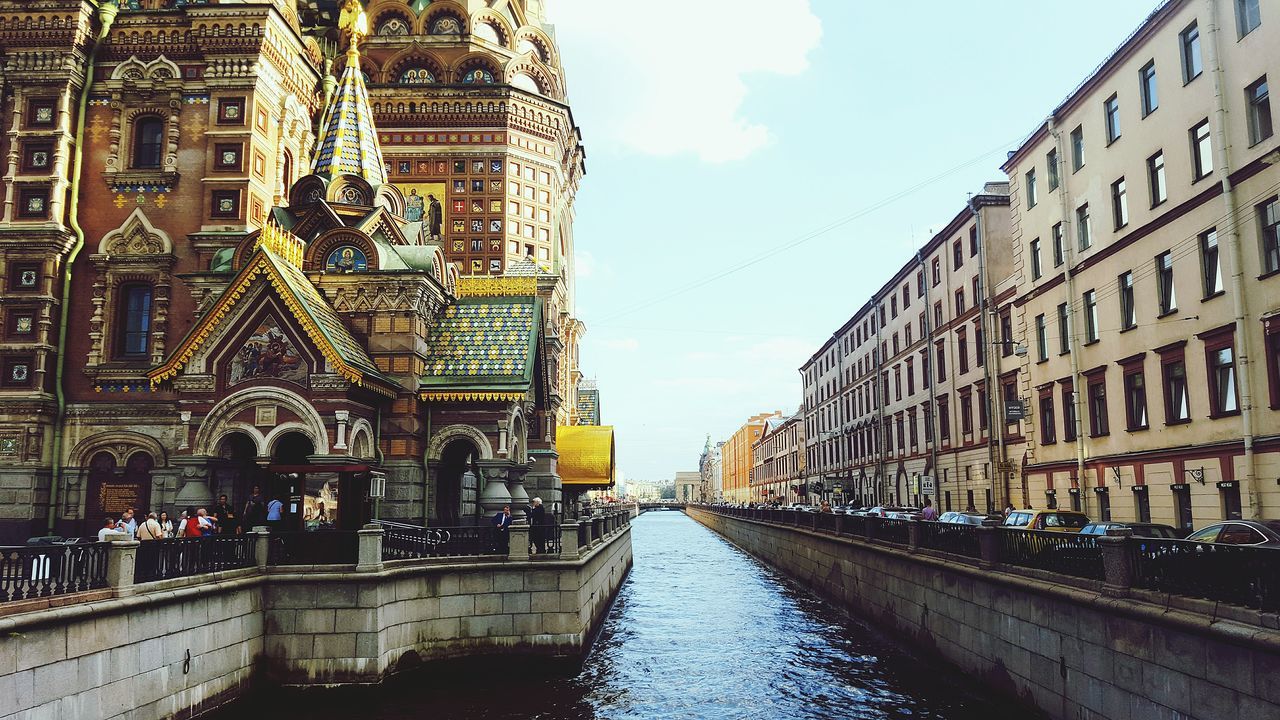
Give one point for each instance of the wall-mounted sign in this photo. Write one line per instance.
(1014, 410)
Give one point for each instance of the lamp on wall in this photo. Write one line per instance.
(1196, 474)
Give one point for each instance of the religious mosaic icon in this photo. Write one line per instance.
(403, 167)
(477, 186)
(27, 279)
(459, 166)
(478, 76)
(39, 159)
(23, 325)
(460, 186)
(8, 446)
(226, 205)
(44, 114)
(229, 157)
(19, 372)
(347, 259)
(267, 353)
(495, 166)
(477, 166)
(35, 204)
(393, 26)
(417, 76)
(446, 25)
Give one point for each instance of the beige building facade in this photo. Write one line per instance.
(778, 460)
(1145, 227)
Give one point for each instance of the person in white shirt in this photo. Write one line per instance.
(127, 523)
(166, 525)
(150, 529)
(108, 528)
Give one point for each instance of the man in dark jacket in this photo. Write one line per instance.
(255, 510)
(502, 530)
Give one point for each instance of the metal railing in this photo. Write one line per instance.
(319, 547)
(1237, 574)
(405, 542)
(28, 573)
(892, 530)
(183, 557)
(824, 521)
(950, 537)
(1068, 553)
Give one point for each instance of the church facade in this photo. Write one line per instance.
(319, 248)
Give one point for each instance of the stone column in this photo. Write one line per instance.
(343, 417)
(369, 548)
(261, 545)
(597, 530)
(194, 481)
(913, 535)
(519, 541)
(1117, 562)
(840, 524)
(569, 541)
(989, 545)
(122, 558)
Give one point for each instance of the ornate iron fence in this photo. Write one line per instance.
(824, 521)
(404, 543)
(892, 530)
(27, 573)
(855, 525)
(950, 537)
(183, 557)
(1236, 574)
(319, 547)
(1061, 552)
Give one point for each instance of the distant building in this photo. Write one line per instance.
(777, 467)
(711, 468)
(588, 403)
(687, 486)
(737, 458)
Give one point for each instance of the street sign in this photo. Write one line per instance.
(1014, 410)
(837, 488)
(927, 486)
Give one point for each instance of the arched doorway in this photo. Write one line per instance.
(237, 471)
(455, 460)
(290, 452)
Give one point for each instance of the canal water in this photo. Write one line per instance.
(699, 630)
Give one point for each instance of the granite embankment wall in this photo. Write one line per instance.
(177, 648)
(1061, 646)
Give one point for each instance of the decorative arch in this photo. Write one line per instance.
(530, 39)
(362, 442)
(120, 445)
(308, 189)
(135, 252)
(136, 236)
(501, 28)
(439, 14)
(391, 199)
(273, 436)
(392, 22)
(219, 420)
(537, 73)
(463, 69)
(414, 56)
(446, 434)
(351, 190)
(319, 249)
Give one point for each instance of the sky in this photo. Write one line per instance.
(756, 169)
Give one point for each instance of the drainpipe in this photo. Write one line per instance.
(1240, 305)
(984, 302)
(881, 388)
(927, 367)
(1068, 252)
(426, 465)
(106, 16)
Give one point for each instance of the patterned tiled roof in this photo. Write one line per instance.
(588, 406)
(484, 343)
(348, 138)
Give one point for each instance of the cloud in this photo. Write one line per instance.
(661, 99)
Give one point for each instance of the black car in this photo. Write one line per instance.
(1264, 533)
(1139, 529)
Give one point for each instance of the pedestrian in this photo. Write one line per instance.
(207, 525)
(166, 525)
(826, 507)
(127, 524)
(970, 508)
(1008, 509)
(502, 530)
(275, 511)
(150, 529)
(191, 524)
(255, 509)
(225, 514)
(929, 512)
(537, 519)
(108, 528)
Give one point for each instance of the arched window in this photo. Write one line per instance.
(346, 259)
(287, 170)
(487, 31)
(133, 321)
(526, 82)
(528, 46)
(148, 142)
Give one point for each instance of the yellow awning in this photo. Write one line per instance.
(586, 455)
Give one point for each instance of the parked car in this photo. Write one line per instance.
(965, 518)
(1054, 520)
(1151, 530)
(1240, 532)
(893, 512)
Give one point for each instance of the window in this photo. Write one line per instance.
(920, 283)
(1084, 236)
(1128, 313)
(1177, 408)
(1142, 502)
(973, 240)
(1210, 267)
(1155, 178)
(937, 272)
(1111, 116)
(893, 306)
(906, 296)
(911, 377)
(1269, 217)
(1042, 339)
(966, 414)
(1077, 148)
(148, 142)
(1135, 399)
(133, 321)
(1090, 316)
(1120, 203)
(1190, 43)
(942, 362)
(1201, 150)
(944, 419)
(982, 409)
(1248, 16)
(1068, 413)
(959, 302)
(957, 255)
(1147, 82)
(1058, 250)
(1098, 406)
(1006, 334)
(1031, 188)
(1164, 283)
(937, 315)
(1064, 330)
(1272, 351)
(1259, 110)
(1051, 164)
(897, 382)
(1222, 381)
(1035, 259)
(962, 350)
(1048, 429)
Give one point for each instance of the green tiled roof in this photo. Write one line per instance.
(484, 343)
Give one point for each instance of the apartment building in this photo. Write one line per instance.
(898, 400)
(778, 460)
(736, 458)
(1146, 244)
